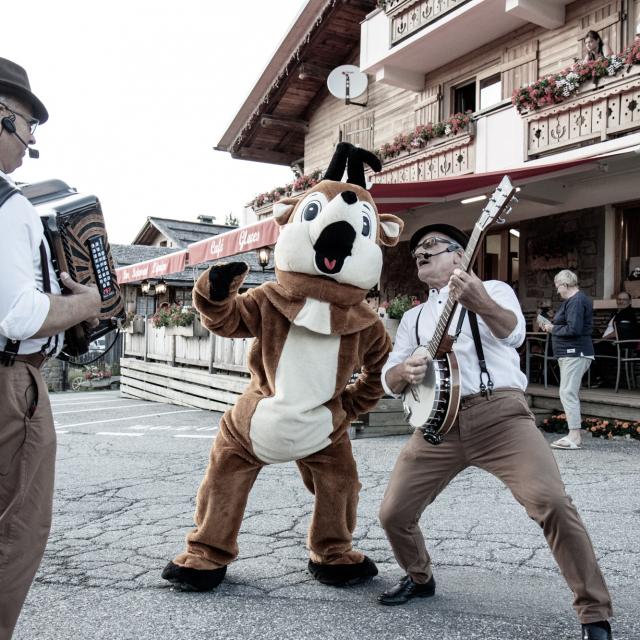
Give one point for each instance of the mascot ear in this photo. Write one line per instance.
(283, 209)
(390, 229)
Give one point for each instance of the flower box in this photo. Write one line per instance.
(136, 326)
(186, 332)
(199, 329)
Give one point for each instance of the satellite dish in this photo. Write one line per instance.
(346, 82)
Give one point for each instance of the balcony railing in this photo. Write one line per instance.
(453, 156)
(408, 16)
(594, 114)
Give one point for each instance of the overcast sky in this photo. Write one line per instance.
(139, 92)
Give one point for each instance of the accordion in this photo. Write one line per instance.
(74, 229)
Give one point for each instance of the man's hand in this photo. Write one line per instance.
(411, 371)
(468, 290)
(89, 299)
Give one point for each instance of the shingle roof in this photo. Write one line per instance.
(181, 232)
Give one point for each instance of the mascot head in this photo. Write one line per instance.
(334, 230)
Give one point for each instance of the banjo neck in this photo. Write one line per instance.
(441, 341)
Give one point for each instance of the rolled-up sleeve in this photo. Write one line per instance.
(403, 346)
(23, 307)
(503, 295)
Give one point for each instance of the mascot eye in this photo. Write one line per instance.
(366, 226)
(311, 210)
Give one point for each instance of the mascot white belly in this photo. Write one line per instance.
(294, 423)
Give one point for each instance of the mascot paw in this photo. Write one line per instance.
(222, 275)
(187, 579)
(342, 575)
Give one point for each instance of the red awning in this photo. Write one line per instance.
(253, 236)
(156, 268)
(391, 198)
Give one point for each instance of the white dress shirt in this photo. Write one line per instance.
(501, 357)
(23, 305)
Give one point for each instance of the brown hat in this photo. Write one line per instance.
(14, 82)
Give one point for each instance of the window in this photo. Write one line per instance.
(464, 97)
(490, 91)
(145, 305)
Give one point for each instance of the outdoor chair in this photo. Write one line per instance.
(629, 360)
(538, 346)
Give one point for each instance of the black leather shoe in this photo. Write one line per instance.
(407, 589)
(597, 631)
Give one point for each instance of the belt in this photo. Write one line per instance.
(475, 398)
(36, 360)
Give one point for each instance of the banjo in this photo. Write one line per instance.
(432, 406)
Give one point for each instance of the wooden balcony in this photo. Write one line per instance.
(408, 16)
(594, 114)
(441, 158)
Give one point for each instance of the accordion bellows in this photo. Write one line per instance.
(77, 237)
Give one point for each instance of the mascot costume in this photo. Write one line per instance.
(313, 330)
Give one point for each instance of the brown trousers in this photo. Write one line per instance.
(330, 474)
(500, 436)
(27, 462)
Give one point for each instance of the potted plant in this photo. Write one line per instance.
(133, 323)
(394, 309)
(181, 320)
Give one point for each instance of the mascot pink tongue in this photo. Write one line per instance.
(312, 330)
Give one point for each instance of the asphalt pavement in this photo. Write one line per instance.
(127, 476)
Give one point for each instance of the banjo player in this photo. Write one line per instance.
(494, 431)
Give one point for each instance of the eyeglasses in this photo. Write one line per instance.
(429, 243)
(32, 122)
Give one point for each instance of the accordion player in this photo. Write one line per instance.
(75, 231)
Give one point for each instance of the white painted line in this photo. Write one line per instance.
(148, 415)
(81, 403)
(122, 406)
(118, 433)
(188, 435)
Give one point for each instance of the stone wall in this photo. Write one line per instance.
(53, 372)
(573, 240)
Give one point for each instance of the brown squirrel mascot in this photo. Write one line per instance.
(312, 330)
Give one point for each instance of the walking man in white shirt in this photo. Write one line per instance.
(32, 315)
(495, 432)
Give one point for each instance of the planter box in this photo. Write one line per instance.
(198, 329)
(187, 332)
(136, 326)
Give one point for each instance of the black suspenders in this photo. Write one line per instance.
(485, 389)
(8, 356)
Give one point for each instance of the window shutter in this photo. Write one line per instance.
(519, 67)
(428, 105)
(358, 131)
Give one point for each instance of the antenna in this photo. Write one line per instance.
(346, 82)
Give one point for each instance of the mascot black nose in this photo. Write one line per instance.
(349, 197)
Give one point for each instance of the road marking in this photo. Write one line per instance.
(122, 406)
(83, 402)
(118, 433)
(148, 415)
(190, 435)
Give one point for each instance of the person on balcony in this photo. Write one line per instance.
(572, 345)
(595, 47)
(495, 432)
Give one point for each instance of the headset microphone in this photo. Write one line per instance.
(10, 126)
(452, 247)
